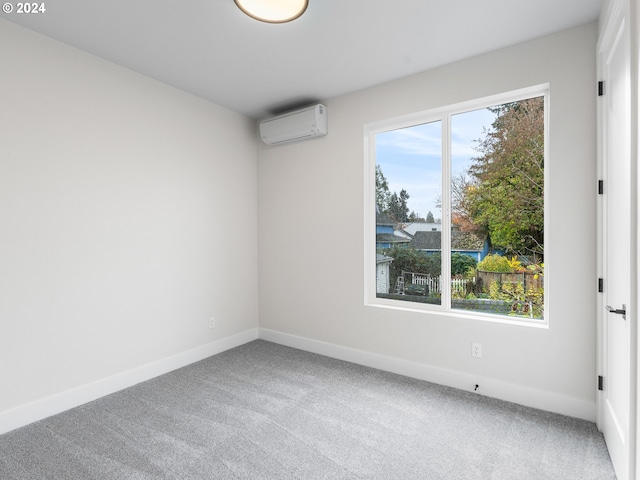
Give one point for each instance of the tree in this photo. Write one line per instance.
(398, 209)
(506, 193)
(414, 217)
(409, 259)
(391, 204)
(382, 190)
(460, 216)
(430, 218)
(461, 263)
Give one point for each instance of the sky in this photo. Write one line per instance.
(410, 158)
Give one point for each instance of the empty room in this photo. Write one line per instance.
(290, 239)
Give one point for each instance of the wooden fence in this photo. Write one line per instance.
(481, 283)
(527, 279)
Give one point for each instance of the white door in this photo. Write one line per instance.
(618, 251)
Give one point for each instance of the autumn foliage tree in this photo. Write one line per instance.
(460, 207)
(504, 190)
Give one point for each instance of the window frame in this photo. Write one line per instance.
(444, 115)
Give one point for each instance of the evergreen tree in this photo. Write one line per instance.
(382, 191)
(430, 218)
(398, 209)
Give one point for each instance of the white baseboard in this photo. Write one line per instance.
(46, 407)
(522, 395)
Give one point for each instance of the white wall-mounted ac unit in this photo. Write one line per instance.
(297, 125)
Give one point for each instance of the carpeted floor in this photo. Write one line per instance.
(264, 411)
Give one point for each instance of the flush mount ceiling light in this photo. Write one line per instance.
(273, 11)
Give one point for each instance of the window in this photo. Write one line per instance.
(455, 201)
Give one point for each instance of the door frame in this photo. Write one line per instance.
(609, 20)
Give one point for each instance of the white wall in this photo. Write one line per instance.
(311, 237)
(128, 216)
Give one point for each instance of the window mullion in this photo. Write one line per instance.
(445, 242)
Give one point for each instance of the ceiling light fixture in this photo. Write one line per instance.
(273, 11)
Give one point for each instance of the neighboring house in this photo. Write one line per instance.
(403, 234)
(466, 243)
(385, 236)
(383, 264)
(413, 228)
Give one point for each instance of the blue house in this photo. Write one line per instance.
(385, 226)
(467, 243)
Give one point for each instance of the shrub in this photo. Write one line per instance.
(411, 260)
(415, 290)
(523, 304)
(461, 263)
(516, 265)
(495, 263)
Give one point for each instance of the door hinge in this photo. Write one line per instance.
(600, 285)
(600, 88)
(600, 187)
(600, 382)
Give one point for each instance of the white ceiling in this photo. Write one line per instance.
(213, 50)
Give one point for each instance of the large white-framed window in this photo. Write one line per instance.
(455, 209)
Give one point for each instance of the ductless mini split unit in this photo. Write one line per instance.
(293, 126)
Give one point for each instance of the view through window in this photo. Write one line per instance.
(460, 210)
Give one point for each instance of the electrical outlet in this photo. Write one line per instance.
(212, 322)
(476, 350)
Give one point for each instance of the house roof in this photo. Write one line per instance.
(426, 240)
(468, 241)
(412, 228)
(390, 238)
(383, 258)
(384, 219)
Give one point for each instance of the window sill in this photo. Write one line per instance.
(439, 311)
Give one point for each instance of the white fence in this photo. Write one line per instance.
(431, 284)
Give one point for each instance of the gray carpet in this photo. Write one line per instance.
(264, 411)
